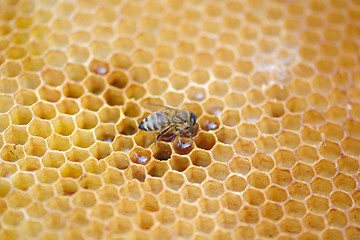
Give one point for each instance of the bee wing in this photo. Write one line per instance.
(159, 106)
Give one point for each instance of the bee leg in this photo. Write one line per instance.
(162, 133)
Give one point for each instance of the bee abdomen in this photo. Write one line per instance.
(154, 122)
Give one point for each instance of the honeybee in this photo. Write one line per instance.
(169, 118)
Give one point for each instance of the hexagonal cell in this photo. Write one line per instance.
(222, 153)
(100, 150)
(63, 125)
(13, 217)
(182, 146)
(35, 147)
(127, 126)
(73, 90)
(348, 164)
(99, 67)
(68, 106)
(8, 85)
(16, 135)
(149, 203)
(218, 89)
(226, 135)
(205, 140)
(44, 110)
(58, 142)
(213, 188)
(82, 138)
(119, 60)
(86, 120)
(11, 69)
(6, 103)
(213, 106)
(140, 156)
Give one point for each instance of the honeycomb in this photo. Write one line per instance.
(276, 88)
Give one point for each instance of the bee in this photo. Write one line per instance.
(169, 118)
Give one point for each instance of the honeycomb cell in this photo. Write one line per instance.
(29, 164)
(100, 150)
(157, 168)
(321, 186)
(25, 97)
(258, 179)
(8, 85)
(16, 135)
(348, 164)
(6, 103)
(222, 153)
(244, 147)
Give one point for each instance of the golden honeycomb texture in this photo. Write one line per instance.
(276, 88)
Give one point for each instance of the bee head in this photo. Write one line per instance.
(193, 119)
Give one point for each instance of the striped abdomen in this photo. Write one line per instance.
(155, 122)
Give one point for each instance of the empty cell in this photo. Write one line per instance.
(258, 179)
(71, 170)
(235, 183)
(253, 196)
(11, 69)
(344, 182)
(165, 216)
(291, 122)
(281, 176)
(226, 135)
(157, 168)
(307, 154)
(49, 94)
(102, 211)
(91, 102)
(222, 153)
(122, 143)
(303, 172)
(144, 220)
(118, 79)
(239, 165)
(100, 150)
(44, 110)
(95, 84)
(218, 171)
(6, 103)
(288, 139)
(251, 114)
(266, 125)
(82, 138)
(56, 58)
(73, 90)
(187, 211)
(76, 154)
(47, 175)
(8, 85)
(114, 97)
(351, 146)
(179, 163)
(29, 164)
(16, 135)
(68, 106)
(144, 139)
(249, 214)
(313, 222)
(58, 142)
(195, 174)
(296, 105)
(109, 114)
(41, 192)
(119, 225)
(321, 186)
(170, 198)
(330, 150)
(108, 194)
(105, 132)
(25, 97)
(205, 140)
(63, 125)
(35, 147)
(50, 76)
(13, 217)
(149, 203)
(53, 159)
(23, 181)
(262, 162)
(348, 164)
(40, 128)
(336, 114)
(214, 106)
(111, 175)
(161, 151)
(266, 144)
(317, 204)
(20, 115)
(276, 193)
(248, 130)
(19, 199)
(244, 147)
(86, 120)
(213, 188)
